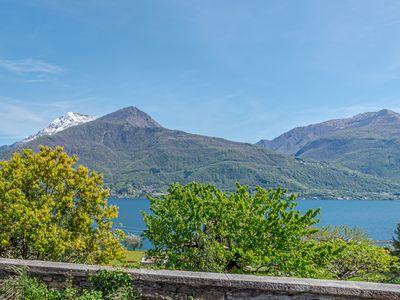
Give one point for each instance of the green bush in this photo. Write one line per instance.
(91, 295)
(23, 287)
(357, 256)
(114, 285)
(108, 285)
(361, 260)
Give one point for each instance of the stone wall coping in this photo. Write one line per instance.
(230, 281)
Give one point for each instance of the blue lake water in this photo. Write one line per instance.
(378, 218)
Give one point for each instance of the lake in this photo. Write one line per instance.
(377, 217)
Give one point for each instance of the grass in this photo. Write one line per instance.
(133, 259)
(134, 256)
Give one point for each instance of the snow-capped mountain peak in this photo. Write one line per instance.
(60, 124)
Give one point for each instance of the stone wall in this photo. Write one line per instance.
(161, 284)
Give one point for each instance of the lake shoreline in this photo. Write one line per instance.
(297, 199)
(377, 217)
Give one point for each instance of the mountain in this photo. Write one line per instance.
(137, 156)
(131, 116)
(60, 124)
(368, 143)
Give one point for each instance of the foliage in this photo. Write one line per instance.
(50, 210)
(396, 241)
(24, 287)
(199, 227)
(132, 241)
(344, 233)
(361, 260)
(90, 295)
(108, 285)
(114, 285)
(358, 256)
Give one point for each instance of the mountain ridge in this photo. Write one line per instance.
(138, 156)
(133, 116)
(368, 143)
(291, 141)
(59, 124)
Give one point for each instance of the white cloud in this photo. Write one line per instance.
(30, 65)
(17, 121)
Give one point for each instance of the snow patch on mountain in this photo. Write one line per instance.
(60, 124)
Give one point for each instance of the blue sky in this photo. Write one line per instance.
(242, 70)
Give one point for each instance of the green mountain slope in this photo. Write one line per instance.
(368, 143)
(137, 156)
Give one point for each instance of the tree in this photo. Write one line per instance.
(361, 260)
(396, 241)
(199, 227)
(343, 233)
(358, 256)
(51, 209)
(132, 241)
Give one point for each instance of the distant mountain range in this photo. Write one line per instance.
(368, 143)
(138, 156)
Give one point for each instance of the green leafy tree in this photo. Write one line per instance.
(343, 233)
(199, 227)
(51, 209)
(132, 241)
(361, 260)
(396, 241)
(358, 256)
